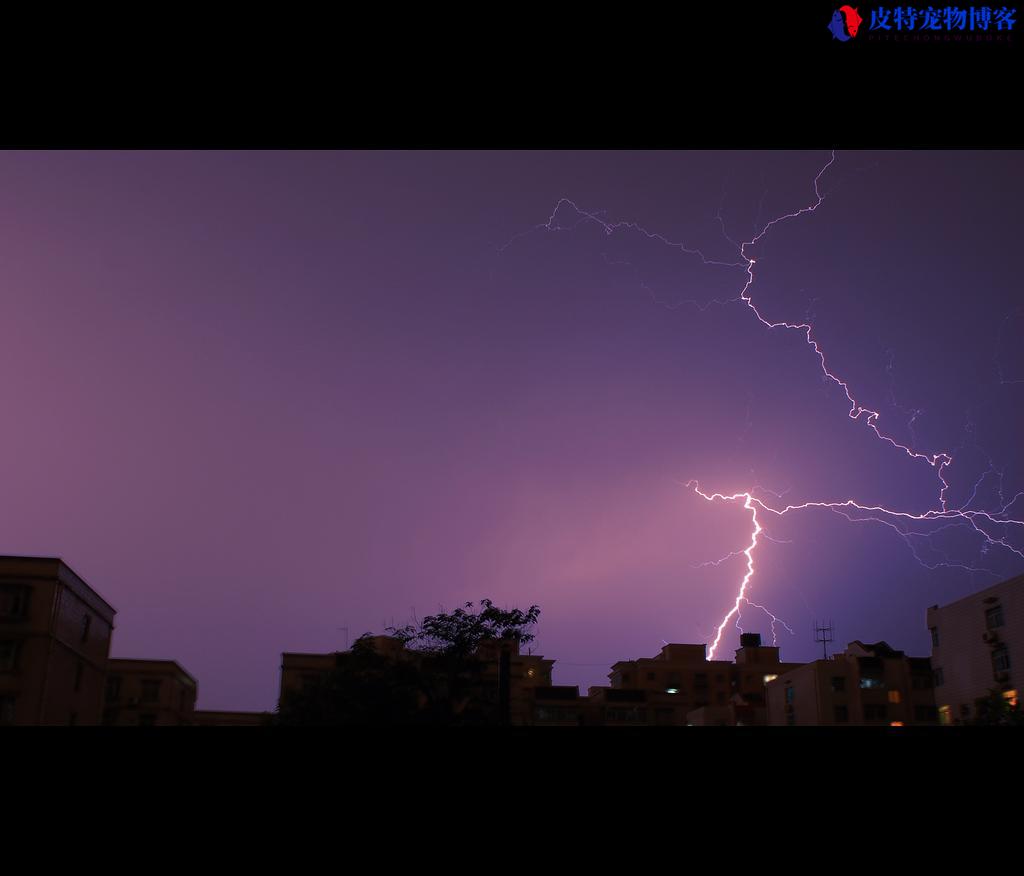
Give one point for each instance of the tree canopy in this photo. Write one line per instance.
(437, 678)
(460, 632)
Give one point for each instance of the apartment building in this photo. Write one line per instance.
(865, 684)
(148, 693)
(975, 642)
(55, 635)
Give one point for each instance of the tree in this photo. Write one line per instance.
(996, 709)
(460, 633)
(438, 678)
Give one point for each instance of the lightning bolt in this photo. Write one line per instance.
(993, 527)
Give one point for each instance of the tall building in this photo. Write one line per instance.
(148, 693)
(54, 644)
(974, 643)
(865, 684)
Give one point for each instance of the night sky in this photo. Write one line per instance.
(256, 398)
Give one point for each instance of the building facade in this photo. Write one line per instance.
(975, 642)
(55, 635)
(148, 693)
(865, 684)
(680, 686)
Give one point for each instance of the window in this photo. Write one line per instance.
(924, 714)
(72, 719)
(842, 714)
(944, 715)
(8, 655)
(1011, 697)
(875, 712)
(894, 696)
(938, 677)
(838, 684)
(789, 694)
(150, 691)
(871, 683)
(6, 709)
(13, 601)
(921, 682)
(78, 676)
(768, 678)
(663, 717)
(935, 637)
(994, 617)
(1001, 658)
(113, 688)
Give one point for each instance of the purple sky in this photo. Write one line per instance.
(256, 397)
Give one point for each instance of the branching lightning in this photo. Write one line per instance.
(994, 527)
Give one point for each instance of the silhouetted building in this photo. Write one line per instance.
(148, 693)
(526, 671)
(681, 686)
(865, 684)
(974, 641)
(557, 706)
(54, 643)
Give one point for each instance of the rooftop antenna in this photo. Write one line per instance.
(825, 635)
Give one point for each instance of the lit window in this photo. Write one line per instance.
(994, 617)
(768, 678)
(529, 672)
(895, 723)
(871, 683)
(1011, 697)
(672, 690)
(894, 696)
(944, 715)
